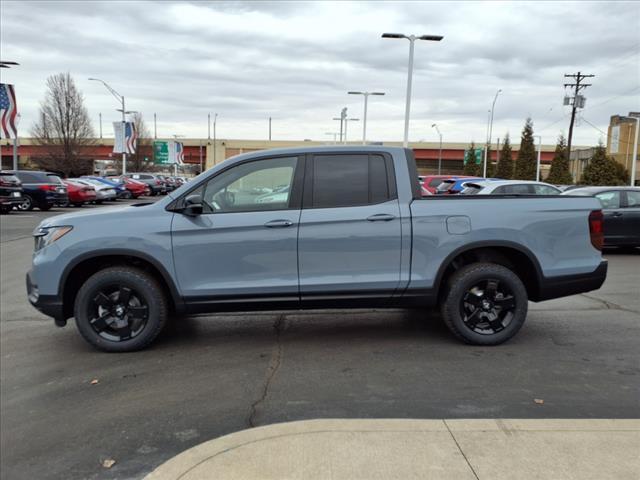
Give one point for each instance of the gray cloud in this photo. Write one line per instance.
(295, 61)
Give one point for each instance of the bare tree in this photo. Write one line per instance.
(144, 148)
(64, 129)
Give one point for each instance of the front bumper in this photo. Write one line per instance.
(50, 305)
(556, 287)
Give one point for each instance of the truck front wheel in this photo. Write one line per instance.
(486, 304)
(120, 309)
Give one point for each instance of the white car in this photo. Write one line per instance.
(103, 191)
(508, 187)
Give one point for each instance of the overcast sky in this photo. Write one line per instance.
(295, 61)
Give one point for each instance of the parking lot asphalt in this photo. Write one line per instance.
(65, 408)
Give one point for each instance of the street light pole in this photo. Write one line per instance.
(366, 101)
(412, 39)
(440, 150)
(538, 162)
(121, 99)
(634, 159)
(215, 120)
(493, 106)
(346, 120)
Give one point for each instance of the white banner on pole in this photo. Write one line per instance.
(118, 143)
(615, 139)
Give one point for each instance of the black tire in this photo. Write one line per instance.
(27, 203)
(100, 301)
(78, 205)
(5, 210)
(127, 195)
(99, 202)
(486, 304)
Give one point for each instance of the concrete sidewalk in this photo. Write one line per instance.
(417, 449)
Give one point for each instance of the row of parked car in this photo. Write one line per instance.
(28, 189)
(620, 205)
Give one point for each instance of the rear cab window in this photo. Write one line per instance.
(609, 199)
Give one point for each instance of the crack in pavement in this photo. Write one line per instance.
(609, 305)
(274, 364)
(460, 450)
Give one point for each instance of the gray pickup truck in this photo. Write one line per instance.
(314, 227)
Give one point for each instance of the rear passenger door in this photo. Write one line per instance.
(349, 234)
(611, 202)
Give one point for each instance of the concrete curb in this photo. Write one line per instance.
(404, 448)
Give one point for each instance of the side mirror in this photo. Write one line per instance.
(193, 205)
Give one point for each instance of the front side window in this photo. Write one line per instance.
(254, 186)
(609, 199)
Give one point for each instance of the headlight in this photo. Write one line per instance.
(47, 235)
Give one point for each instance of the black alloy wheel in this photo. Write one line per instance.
(118, 313)
(27, 203)
(488, 307)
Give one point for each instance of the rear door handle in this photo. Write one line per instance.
(381, 217)
(278, 224)
(616, 214)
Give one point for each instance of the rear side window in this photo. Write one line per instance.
(519, 189)
(54, 179)
(471, 189)
(609, 199)
(434, 182)
(349, 180)
(633, 199)
(29, 177)
(545, 190)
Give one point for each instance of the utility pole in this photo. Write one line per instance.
(342, 118)
(100, 116)
(576, 102)
(155, 127)
(208, 126)
(269, 128)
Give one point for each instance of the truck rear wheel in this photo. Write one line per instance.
(120, 309)
(486, 304)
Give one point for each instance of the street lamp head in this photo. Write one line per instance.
(393, 35)
(433, 38)
(376, 93)
(355, 93)
(433, 125)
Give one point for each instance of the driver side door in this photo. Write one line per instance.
(243, 247)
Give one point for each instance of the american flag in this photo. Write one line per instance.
(8, 111)
(131, 137)
(179, 153)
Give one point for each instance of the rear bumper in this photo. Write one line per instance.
(11, 200)
(50, 305)
(556, 287)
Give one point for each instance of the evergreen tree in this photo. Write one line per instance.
(504, 169)
(526, 162)
(559, 173)
(471, 168)
(603, 170)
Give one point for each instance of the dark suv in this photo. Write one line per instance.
(41, 189)
(10, 191)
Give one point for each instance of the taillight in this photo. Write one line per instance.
(48, 188)
(3, 183)
(596, 228)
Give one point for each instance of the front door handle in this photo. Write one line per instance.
(381, 217)
(278, 224)
(616, 214)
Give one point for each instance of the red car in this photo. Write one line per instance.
(79, 194)
(134, 188)
(431, 182)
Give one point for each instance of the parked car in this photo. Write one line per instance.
(10, 191)
(431, 182)
(119, 187)
(79, 193)
(134, 188)
(621, 209)
(104, 193)
(354, 231)
(156, 185)
(42, 190)
(168, 184)
(509, 187)
(453, 185)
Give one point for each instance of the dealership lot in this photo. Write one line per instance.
(67, 407)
